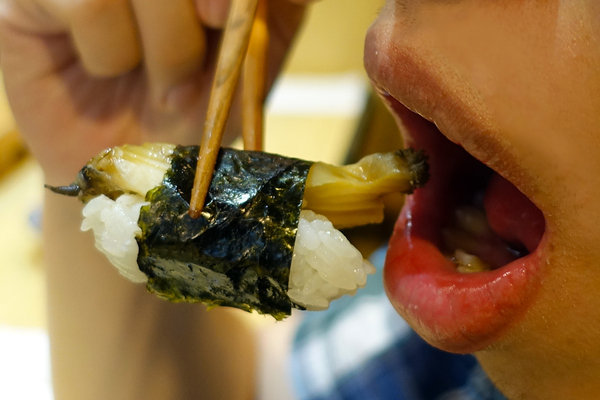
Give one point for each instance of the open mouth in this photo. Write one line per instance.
(464, 260)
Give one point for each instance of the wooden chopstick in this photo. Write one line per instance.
(254, 80)
(231, 55)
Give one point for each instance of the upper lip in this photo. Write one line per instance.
(431, 92)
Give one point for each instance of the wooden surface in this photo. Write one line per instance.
(12, 150)
(21, 269)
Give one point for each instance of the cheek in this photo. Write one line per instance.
(558, 336)
(565, 321)
(543, 107)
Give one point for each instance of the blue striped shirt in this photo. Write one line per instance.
(361, 349)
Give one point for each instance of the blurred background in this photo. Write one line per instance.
(321, 109)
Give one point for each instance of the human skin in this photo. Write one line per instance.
(78, 81)
(516, 83)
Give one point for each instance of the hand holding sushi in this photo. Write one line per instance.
(265, 239)
(78, 82)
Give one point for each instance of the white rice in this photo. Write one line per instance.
(115, 228)
(325, 265)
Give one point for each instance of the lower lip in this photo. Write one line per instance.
(453, 311)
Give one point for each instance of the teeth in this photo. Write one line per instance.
(466, 237)
(456, 238)
(468, 263)
(469, 231)
(472, 220)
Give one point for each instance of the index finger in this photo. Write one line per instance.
(105, 35)
(172, 38)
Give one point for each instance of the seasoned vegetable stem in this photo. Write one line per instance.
(353, 195)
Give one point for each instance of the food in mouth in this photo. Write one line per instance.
(483, 229)
(267, 239)
(464, 261)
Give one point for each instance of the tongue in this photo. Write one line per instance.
(512, 215)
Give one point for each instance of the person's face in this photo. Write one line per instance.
(515, 83)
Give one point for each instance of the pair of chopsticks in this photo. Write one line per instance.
(245, 38)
